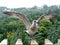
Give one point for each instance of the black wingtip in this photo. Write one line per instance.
(7, 13)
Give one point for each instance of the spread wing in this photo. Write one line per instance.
(20, 16)
(50, 17)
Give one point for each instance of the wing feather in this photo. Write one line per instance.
(20, 16)
(50, 17)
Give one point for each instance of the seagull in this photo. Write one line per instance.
(31, 29)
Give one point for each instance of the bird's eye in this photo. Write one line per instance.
(34, 21)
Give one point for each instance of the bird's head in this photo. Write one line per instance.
(35, 22)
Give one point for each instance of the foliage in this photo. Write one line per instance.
(12, 28)
(1, 37)
(43, 31)
(25, 39)
(54, 33)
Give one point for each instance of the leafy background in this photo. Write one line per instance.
(12, 28)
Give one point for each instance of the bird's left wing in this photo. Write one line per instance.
(20, 16)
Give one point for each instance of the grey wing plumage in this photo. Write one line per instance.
(20, 16)
(50, 16)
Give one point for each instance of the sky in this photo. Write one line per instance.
(27, 3)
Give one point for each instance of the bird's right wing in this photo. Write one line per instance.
(20, 16)
(50, 17)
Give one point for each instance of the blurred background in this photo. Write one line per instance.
(12, 28)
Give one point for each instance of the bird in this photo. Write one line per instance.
(31, 29)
